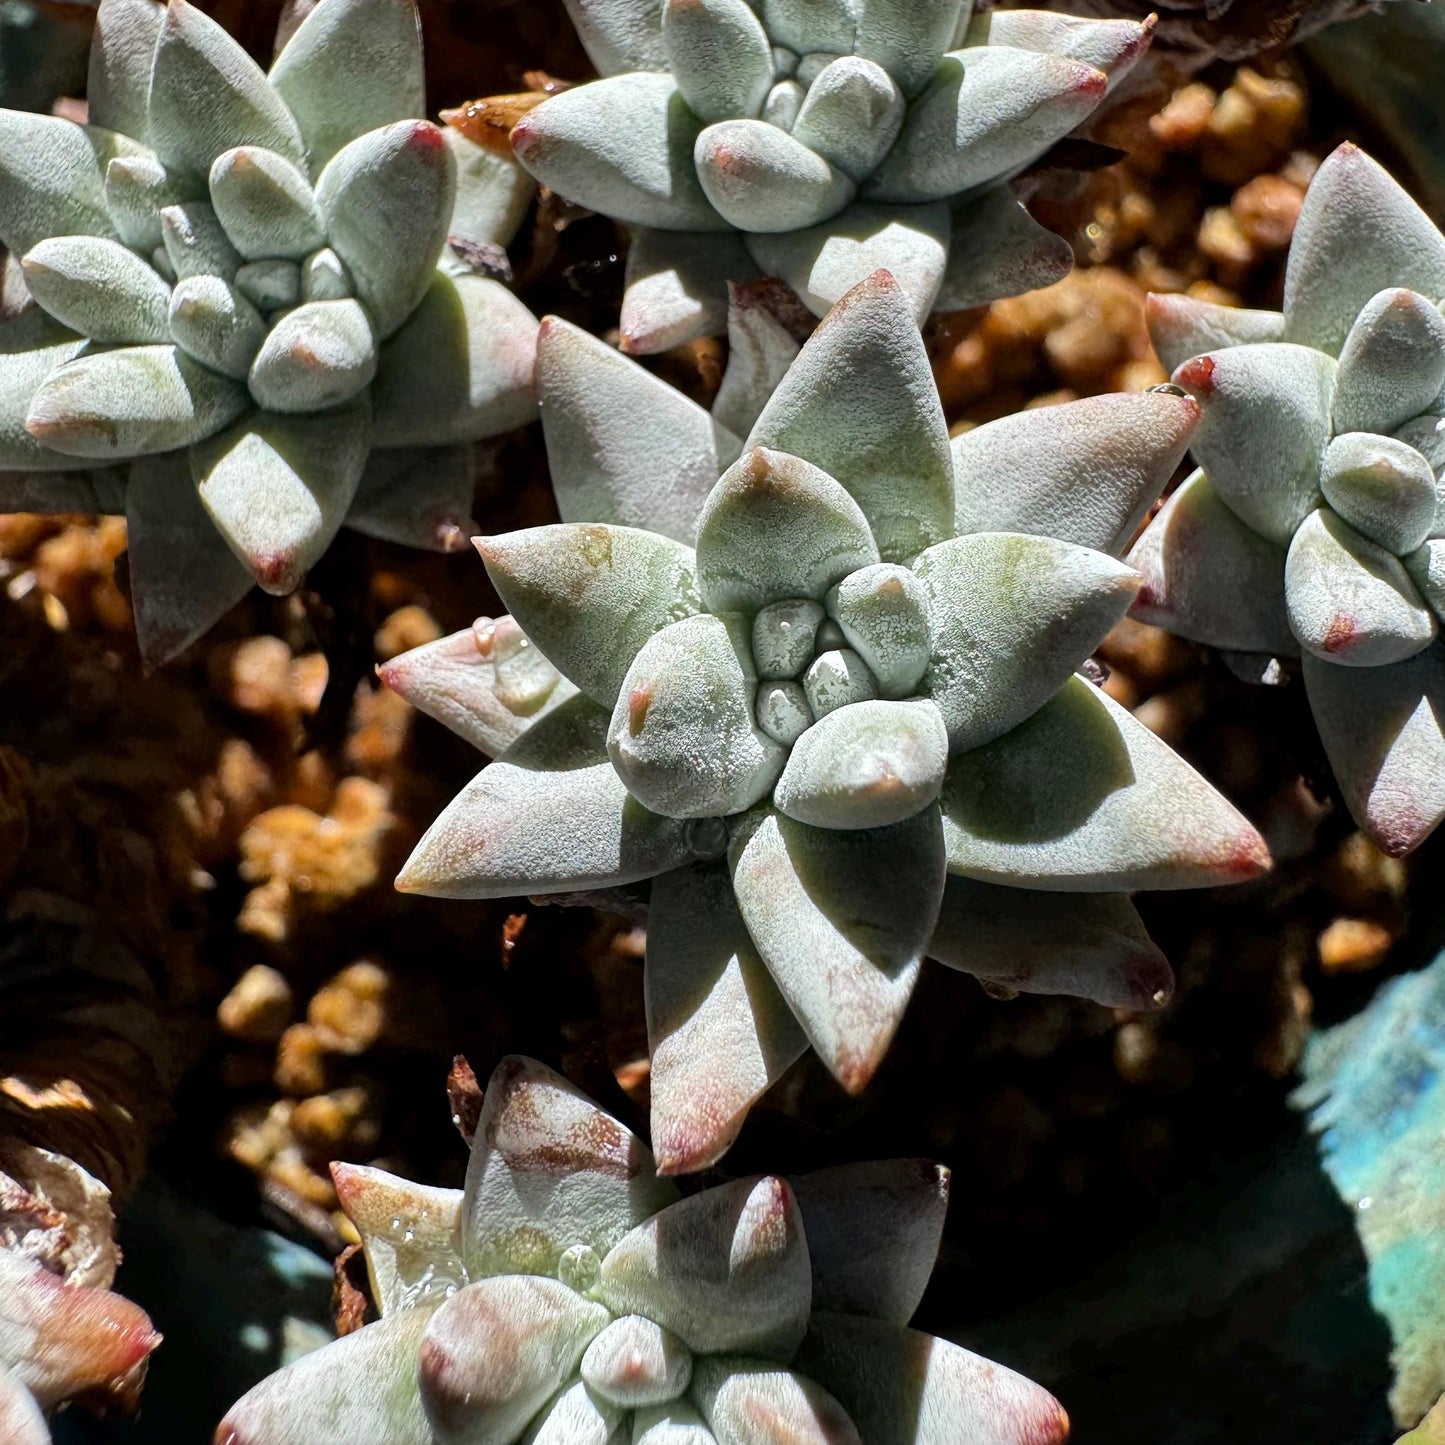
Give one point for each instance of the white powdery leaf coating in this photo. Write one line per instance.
(719, 56)
(907, 39)
(883, 1374)
(1392, 365)
(1427, 570)
(1210, 578)
(1384, 731)
(1383, 488)
(842, 920)
(1112, 46)
(122, 50)
(1427, 435)
(317, 356)
(212, 321)
(496, 1352)
(51, 180)
(683, 737)
(851, 116)
(623, 446)
(836, 678)
(98, 288)
(873, 1234)
(265, 204)
(1358, 232)
(137, 189)
(550, 1170)
(997, 249)
(620, 35)
(549, 816)
(575, 1416)
(1263, 431)
(677, 290)
(635, 1361)
(760, 351)
(1082, 797)
(784, 102)
(196, 244)
(32, 348)
(809, 26)
(718, 1030)
(21, 1422)
(674, 1424)
(726, 1269)
(1181, 327)
(1351, 602)
(749, 1402)
(759, 178)
(884, 614)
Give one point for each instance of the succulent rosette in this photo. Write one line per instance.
(569, 1296)
(233, 313)
(817, 141)
(1315, 526)
(826, 702)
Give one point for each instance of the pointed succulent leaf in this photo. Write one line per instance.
(750, 1402)
(718, 1030)
(317, 356)
(549, 816)
(351, 66)
(884, 613)
(590, 596)
(213, 322)
(677, 288)
(851, 116)
(842, 920)
(274, 285)
(195, 242)
(836, 678)
(622, 146)
(137, 190)
(760, 351)
(1181, 327)
(576, 1416)
(1210, 578)
(324, 277)
(21, 1422)
(51, 181)
(1381, 487)
(784, 636)
(33, 346)
(208, 95)
(784, 102)
(1112, 46)
(417, 497)
(550, 1170)
(908, 40)
(493, 195)
(719, 56)
(1384, 731)
(860, 403)
(777, 527)
(1427, 435)
(809, 26)
(1392, 364)
(1351, 602)
(265, 204)
(726, 1269)
(674, 1424)
(1012, 617)
(987, 113)
(873, 1234)
(882, 1374)
(131, 402)
(624, 447)
(1358, 232)
(122, 51)
(635, 1361)
(683, 737)
(620, 35)
(278, 487)
(759, 178)
(1082, 797)
(1426, 567)
(496, 1351)
(997, 249)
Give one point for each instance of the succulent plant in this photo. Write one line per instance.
(817, 141)
(1315, 527)
(570, 1296)
(242, 323)
(826, 702)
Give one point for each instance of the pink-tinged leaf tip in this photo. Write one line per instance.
(426, 138)
(1197, 376)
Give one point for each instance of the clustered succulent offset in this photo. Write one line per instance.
(817, 141)
(239, 287)
(1315, 526)
(569, 1296)
(829, 707)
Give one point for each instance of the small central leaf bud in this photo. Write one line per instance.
(784, 637)
(782, 711)
(579, 1268)
(705, 837)
(837, 678)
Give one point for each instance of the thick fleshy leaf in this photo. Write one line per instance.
(122, 51)
(718, 1030)
(719, 56)
(1181, 327)
(460, 369)
(493, 195)
(620, 35)
(634, 1361)
(1358, 233)
(409, 1233)
(387, 202)
(997, 249)
(1082, 797)
(495, 1353)
(1264, 426)
(873, 1234)
(674, 1424)
(318, 356)
(1427, 571)
(197, 245)
(1392, 365)
(274, 285)
(884, 613)
(1427, 435)
(777, 527)
(851, 116)
(132, 402)
(1384, 731)
(32, 348)
(265, 204)
(624, 447)
(726, 1269)
(621, 146)
(842, 920)
(907, 39)
(208, 95)
(1084, 472)
(549, 816)
(784, 102)
(213, 322)
(1112, 46)
(51, 181)
(1083, 945)
(350, 67)
(1209, 577)
(549, 1171)
(1382, 488)
(677, 288)
(759, 178)
(760, 351)
(416, 496)
(137, 190)
(590, 596)
(358, 1390)
(324, 277)
(576, 1416)
(860, 403)
(1012, 617)
(683, 737)
(1351, 602)
(21, 1422)
(810, 26)
(823, 263)
(278, 487)
(836, 678)
(883, 1374)
(750, 1402)
(986, 114)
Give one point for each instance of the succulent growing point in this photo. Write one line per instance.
(817, 141)
(1315, 527)
(826, 702)
(241, 322)
(568, 1295)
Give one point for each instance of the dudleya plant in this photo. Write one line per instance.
(826, 702)
(1315, 526)
(241, 284)
(569, 1296)
(817, 141)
